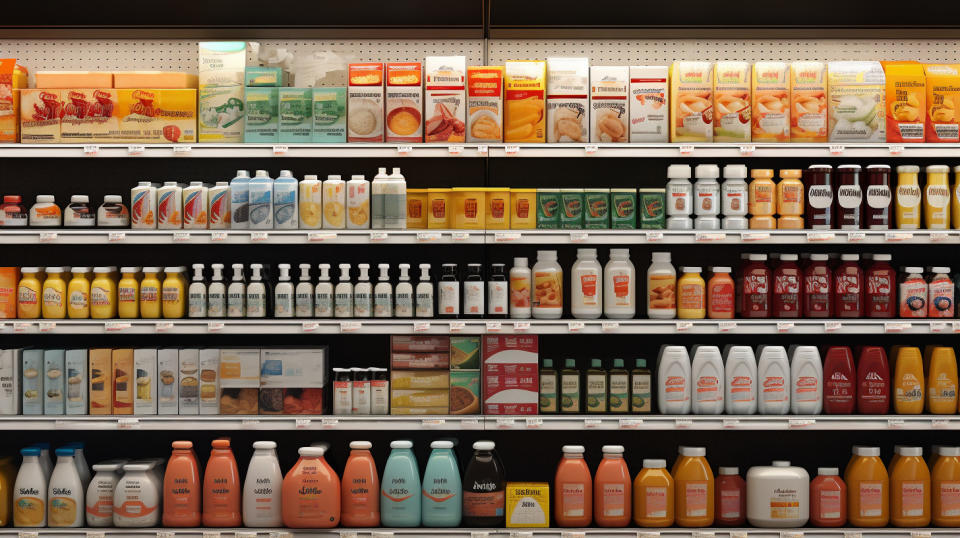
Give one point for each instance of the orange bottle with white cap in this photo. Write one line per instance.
(762, 199)
(790, 203)
(945, 503)
(694, 489)
(910, 489)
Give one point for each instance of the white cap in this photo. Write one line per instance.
(262, 173)
(441, 444)
(729, 470)
(938, 169)
(849, 166)
(789, 257)
(101, 270)
(908, 169)
(693, 451)
(112, 199)
(240, 173)
(819, 257)
(573, 449)
(620, 252)
(691, 269)
(939, 269)
(45, 198)
(196, 183)
(171, 269)
(334, 177)
(867, 451)
(757, 257)
(910, 451)
(828, 471)
(850, 257)
(149, 269)
(517, 262)
(32, 270)
(546, 254)
(707, 171)
(587, 252)
(361, 445)
(612, 449)
(310, 177)
(878, 166)
(735, 171)
(79, 199)
(912, 269)
(484, 445)
(286, 173)
(950, 451)
(169, 183)
(56, 269)
(882, 257)
(721, 269)
(781, 463)
(678, 171)
(309, 451)
(661, 256)
(401, 444)
(357, 177)
(654, 464)
(264, 445)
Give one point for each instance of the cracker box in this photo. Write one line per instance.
(485, 103)
(510, 375)
(123, 381)
(330, 115)
(75, 366)
(53, 382)
(649, 109)
(168, 366)
(525, 91)
(10, 360)
(209, 381)
(771, 102)
(445, 99)
(404, 114)
(609, 117)
(40, 114)
(691, 102)
(239, 381)
(943, 102)
(731, 102)
(145, 376)
(906, 97)
(101, 382)
(568, 100)
(189, 382)
(808, 98)
(292, 381)
(32, 382)
(365, 96)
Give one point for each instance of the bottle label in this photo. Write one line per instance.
(708, 389)
(572, 499)
(656, 502)
(691, 297)
(170, 293)
(908, 195)
(949, 499)
(304, 303)
(938, 196)
(425, 305)
(549, 289)
(774, 390)
(913, 298)
(619, 393)
(52, 298)
(283, 305)
(382, 305)
(361, 304)
(497, 297)
(820, 196)
(483, 504)
(26, 296)
(849, 196)
(614, 496)
(640, 397)
(323, 305)
(675, 389)
(79, 300)
(404, 305)
(343, 305)
(215, 304)
(871, 499)
(879, 196)
(570, 393)
(597, 393)
(235, 305)
(548, 394)
(785, 503)
(622, 287)
(695, 494)
(473, 297)
(721, 298)
(806, 389)
(588, 288)
(148, 294)
(28, 511)
(63, 511)
(741, 389)
(730, 503)
(255, 304)
(520, 292)
(941, 298)
(909, 389)
(678, 196)
(830, 504)
(912, 499)
(125, 294)
(197, 305)
(450, 297)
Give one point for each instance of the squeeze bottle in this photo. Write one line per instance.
(708, 381)
(263, 487)
(942, 381)
(653, 495)
(573, 489)
(360, 488)
(828, 499)
(221, 487)
(946, 488)
(731, 498)
(181, 487)
(741, 381)
(65, 492)
(908, 382)
(674, 381)
(442, 504)
(773, 381)
(868, 487)
(806, 381)
(694, 489)
(399, 502)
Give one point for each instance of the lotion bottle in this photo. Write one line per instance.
(263, 487)
(343, 294)
(237, 294)
(283, 293)
(197, 294)
(425, 293)
(474, 294)
(383, 293)
(256, 293)
(217, 293)
(586, 277)
(363, 293)
(304, 293)
(323, 294)
(30, 491)
(449, 304)
(520, 285)
(404, 294)
(65, 504)
(498, 292)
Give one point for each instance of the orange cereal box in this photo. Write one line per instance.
(943, 102)
(525, 84)
(906, 98)
(808, 102)
(40, 115)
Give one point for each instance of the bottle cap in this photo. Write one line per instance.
(707, 171)
(735, 171)
(311, 451)
(484, 445)
(654, 464)
(938, 169)
(401, 444)
(45, 198)
(441, 444)
(789, 257)
(573, 449)
(77, 199)
(729, 470)
(678, 171)
(612, 449)
(757, 257)
(791, 173)
(761, 173)
(850, 167)
(691, 269)
(781, 463)
(519, 262)
(940, 269)
(882, 257)
(361, 445)
(112, 199)
(850, 257)
(908, 169)
(828, 471)
(264, 445)
(912, 451)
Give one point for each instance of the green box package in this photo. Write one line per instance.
(465, 392)
(652, 209)
(464, 352)
(263, 77)
(330, 115)
(296, 114)
(548, 209)
(571, 214)
(596, 215)
(623, 209)
(263, 109)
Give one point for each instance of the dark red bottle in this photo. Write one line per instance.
(818, 288)
(787, 288)
(731, 498)
(819, 210)
(881, 298)
(756, 287)
(877, 199)
(873, 381)
(848, 288)
(839, 381)
(849, 196)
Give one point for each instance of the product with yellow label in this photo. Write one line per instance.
(89, 115)
(485, 103)
(731, 102)
(468, 208)
(128, 294)
(13, 77)
(857, 98)
(905, 101)
(417, 209)
(29, 293)
(525, 93)
(943, 102)
(808, 100)
(691, 102)
(103, 294)
(528, 504)
(78, 294)
(438, 206)
(936, 198)
(497, 204)
(150, 293)
(174, 288)
(334, 199)
(54, 294)
(771, 102)
(523, 209)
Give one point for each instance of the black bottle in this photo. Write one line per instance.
(484, 492)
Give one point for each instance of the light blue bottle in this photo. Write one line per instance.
(442, 491)
(240, 200)
(285, 202)
(400, 488)
(261, 201)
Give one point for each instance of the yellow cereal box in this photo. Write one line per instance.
(40, 113)
(771, 102)
(808, 102)
(523, 111)
(12, 78)
(905, 98)
(691, 102)
(731, 102)
(943, 102)
(485, 103)
(157, 116)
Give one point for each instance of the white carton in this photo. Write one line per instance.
(167, 382)
(649, 108)
(365, 97)
(145, 374)
(10, 381)
(189, 382)
(32, 381)
(75, 365)
(210, 381)
(609, 115)
(568, 99)
(53, 385)
(444, 105)
(222, 63)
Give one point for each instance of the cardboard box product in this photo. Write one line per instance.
(442, 410)
(528, 504)
(419, 398)
(155, 79)
(404, 115)
(485, 103)
(943, 102)
(568, 99)
(145, 376)
(75, 366)
(10, 381)
(609, 92)
(649, 107)
(365, 96)
(220, 114)
(445, 99)
(40, 113)
(209, 381)
(13, 78)
(419, 379)
(296, 115)
(857, 98)
(263, 77)
(808, 99)
(330, 115)
(168, 366)
(419, 361)
(510, 375)
(61, 80)
(465, 392)
(691, 102)
(9, 282)
(239, 381)
(123, 381)
(465, 352)
(89, 115)
(420, 344)
(292, 381)
(101, 381)
(771, 102)
(262, 109)
(906, 97)
(53, 382)
(222, 63)
(525, 91)
(189, 382)
(156, 115)
(731, 102)
(32, 368)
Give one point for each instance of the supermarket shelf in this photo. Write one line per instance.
(725, 150)
(250, 422)
(276, 237)
(724, 237)
(725, 422)
(354, 150)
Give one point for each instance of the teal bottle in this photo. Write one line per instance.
(400, 487)
(442, 491)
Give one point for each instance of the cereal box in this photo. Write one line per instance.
(12, 78)
(365, 103)
(404, 116)
(609, 91)
(771, 102)
(691, 102)
(649, 110)
(167, 394)
(525, 91)
(731, 102)
(75, 367)
(209, 381)
(808, 100)
(485, 103)
(906, 97)
(568, 99)
(101, 382)
(445, 100)
(330, 115)
(157, 116)
(943, 102)
(189, 382)
(40, 113)
(10, 381)
(145, 375)
(123, 381)
(857, 99)
(239, 381)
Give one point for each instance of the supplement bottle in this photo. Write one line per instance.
(720, 294)
(619, 285)
(586, 285)
(790, 204)
(360, 488)
(128, 293)
(653, 495)
(474, 294)
(734, 191)
(173, 293)
(787, 288)
(303, 293)
(661, 287)
(99, 497)
(848, 287)
(484, 490)
(679, 191)
(691, 294)
(442, 502)
(112, 213)
(828, 499)
(29, 294)
(45, 213)
(612, 489)
(311, 492)
(573, 489)
(342, 294)
(868, 487)
(731, 498)
(383, 293)
(778, 495)
(424, 293)
(323, 293)
(706, 191)
(818, 179)
(78, 214)
(263, 487)
(404, 304)
(763, 199)
(547, 301)
(521, 282)
(849, 197)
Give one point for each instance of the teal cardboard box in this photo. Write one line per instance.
(263, 77)
(263, 115)
(296, 114)
(330, 115)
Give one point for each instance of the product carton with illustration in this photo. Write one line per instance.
(857, 99)
(485, 103)
(292, 381)
(771, 102)
(525, 88)
(89, 115)
(123, 381)
(75, 367)
(568, 99)
(731, 102)
(445, 100)
(365, 95)
(906, 97)
(943, 102)
(239, 381)
(101, 381)
(510, 375)
(609, 91)
(262, 108)
(209, 381)
(296, 115)
(330, 115)
(168, 364)
(13, 78)
(188, 381)
(32, 382)
(691, 102)
(53, 382)
(220, 114)
(808, 98)
(40, 114)
(145, 374)
(222, 63)
(649, 107)
(156, 116)
(404, 115)
(10, 381)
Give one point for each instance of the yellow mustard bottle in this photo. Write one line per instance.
(78, 294)
(936, 198)
(128, 294)
(174, 304)
(955, 198)
(54, 294)
(150, 293)
(691, 294)
(29, 293)
(103, 294)
(942, 381)
(907, 201)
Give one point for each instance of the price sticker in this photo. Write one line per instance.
(501, 237)
(91, 149)
(321, 236)
(249, 422)
(505, 422)
(579, 237)
(800, 422)
(47, 326)
(938, 237)
(218, 236)
(703, 534)
(575, 326)
(479, 534)
(534, 422)
(939, 422)
(791, 534)
(257, 237)
(938, 326)
(754, 236)
(95, 534)
(727, 326)
(180, 149)
(708, 237)
(653, 237)
(609, 326)
(836, 149)
(116, 236)
(956, 326)
(211, 534)
(214, 326)
(731, 423)
(329, 422)
(921, 534)
(112, 326)
(47, 237)
(164, 326)
(686, 149)
(856, 236)
(350, 326)
(649, 534)
(179, 237)
(684, 326)
(432, 422)
(280, 150)
(165, 534)
(590, 149)
(457, 326)
(136, 150)
(302, 423)
(852, 534)
(630, 423)
(784, 326)
(460, 236)
(128, 423)
(520, 326)
(831, 326)
(747, 149)
(511, 149)
(493, 326)
(894, 423)
(591, 423)
(573, 534)
(897, 236)
(310, 326)
(377, 237)
(455, 150)
(426, 237)
(404, 150)
(470, 423)
(421, 326)
(738, 534)
(347, 534)
(683, 423)
(483, 149)
(31, 534)
(896, 149)
(21, 326)
(381, 534)
(896, 327)
(815, 237)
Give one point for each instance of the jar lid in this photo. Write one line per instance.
(435, 444)
(691, 269)
(484, 445)
(707, 171)
(261, 445)
(878, 167)
(720, 269)
(54, 269)
(361, 445)
(12, 198)
(79, 199)
(735, 171)
(758, 257)
(849, 257)
(882, 257)
(403, 443)
(678, 171)
(571, 449)
(311, 451)
(761, 173)
(850, 167)
(911, 451)
(112, 199)
(866, 451)
(729, 470)
(45, 198)
(791, 173)
(693, 451)
(654, 464)
(828, 471)
(908, 169)
(940, 269)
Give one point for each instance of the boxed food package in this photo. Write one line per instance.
(40, 113)
(943, 102)
(209, 381)
(168, 364)
(296, 115)
(420, 344)
(75, 366)
(220, 114)
(365, 103)
(123, 381)
(691, 102)
(292, 381)
(525, 89)
(156, 116)
(404, 115)
(857, 98)
(89, 115)
(445, 99)
(771, 102)
(609, 92)
(145, 374)
(239, 381)
(568, 99)
(262, 109)
(155, 80)
(442, 410)
(425, 398)
(649, 110)
(485, 103)
(13, 78)
(32, 385)
(528, 504)
(263, 77)
(330, 115)
(62, 80)
(53, 382)
(420, 361)
(808, 97)
(465, 392)
(101, 381)
(465, 352)
(510, 375)
(10, 381)
(731, 102)
(189, 382)
(906, 96)
(222, 63)
(419, 379)
(9, 279)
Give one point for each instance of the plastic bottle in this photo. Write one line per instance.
(53, 294)
(661, 287)
(182, 488)
(29, 294)
(303, 293)
(787, 288)
(908, 196)
(740, 367)
(640, 388)
(45, 213)
(395, 202)
(848, 287)
(78, 294)
(263, 487)
(547, 300)
(195, 206)
(30, 491)
(945, 488)
(237, 294)
(360, 488)
(828, 499)
(484, 492)
(876, 203)
(910, 489)
(343, 293)
(873, 381)
(442, 504)
(936, 198)
(448, 300)
(762, 203)
(99, 496)
(137, 497)
(103, 294)
(706, 191)
(474, 294)
(806, 381)
(65, 493)
(383, 293)
(403, 295)
(240, 201)
(256, 293)
(79, 214)
(597, 385)
(881, 286)
(868, 486)
(955, 198)
(571, 392)
(674, 381)
(378, 189)
(940, 294)
(283, 294)
(587, 285)
(549, 382)
(612, 489)
(128, 292)
(908, 382)
(790, 203)
(757, 285)
(521, 283)
(323, 294)
(691, 294)
(573, 489)
(173, 292)
(498, 292)
(913, 294)
(679, 191)
(942, 381)
(653, 495)
(773, 381)
(849, 197)
(358, 203)
(817, 288)
(819, 211)
(311, 492)
(734, 191)
(261, 201)
(778, 495)
(197, 294)
(731, 498)
(363, 293)
(221, 487)
(399, 499)
(708, 378)
(695, 489)
(840, 381)
(424, 293)
(720, 294)
(285, 206)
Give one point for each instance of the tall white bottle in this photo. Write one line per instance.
(395, 202)
(30, 491)
(256, 293)
(216, 293)
(323, 294)
(619, 285)
(773, 381)
(65, 492)
(806, 381)
(673, 380)
(237, 294)
(378, 190)
(403, 296)
(521, 288)
(263, 488)
(261, 201)
(197, 294)
(383, 293)
(283, 293)
(706, 373)
(425, 299)
(304, 293)
(586, 285)
(343, 294)
(363, 293)
(741, 385)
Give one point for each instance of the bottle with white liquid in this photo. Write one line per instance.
(197, 294)
(216, 293)
(82, 468)
(363, 293)
(619, 285)
(323, 294)
(256, 293)
(30, 491)
(283, 293)
(395, 202)
(304, 293)
(263, 487)
(586, 285)
(237, 294)
(65, 492)
(403, 307)
(383, 293)
(343, 294)
(425, 293)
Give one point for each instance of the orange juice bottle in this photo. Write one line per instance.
(612, 489)
(908, 381)
(910, 489)
(942, 381)
(573, 489)
(181, 487)
(694, 489)
(653, 495)
(946, 488)
(311, 492)
(221, 487)
(868, 486)
(29, 294)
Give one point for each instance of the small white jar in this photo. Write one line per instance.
(778, 495)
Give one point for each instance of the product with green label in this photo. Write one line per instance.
(296, 114)
(596, 215)
(548, 209)
(263, 109)
(548, 388)
(619, 380)
(623, 209)
(652, 209)
(570, 387)
(330, 115)
(596, 387)
(571, 203)
(640, 395)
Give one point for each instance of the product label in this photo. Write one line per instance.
(404, 305)
(807, 389)
(100, 296)
(342, 397)
(756, 289)
(382, 305)
(63, 511)
(879, 196)
(622, 288)
(849, 196)
(820, 196)
(949, 499)
(570, 393)
(678, 196)
(323, 305)
(730, 503)
(449, 297)
(619, 400)
(695, 494)
(361, 304)
(675, 388)
(911, 499)
(497, 297)
(485, 504)
(913, 298)
(548, 394)
(938, 196)
(774, 389)
(908, 196)
(473, 297)
(830, 504)
(28, 511)
(588, 288)
(787, 288)
(79, 300)
(549, 289)
(785, 503)
(909, 389)
(597, 393)
(640, 398)
(708, 389)
(520, 292)
(26, 296)
(871, 499)
(656, 502)
(614, 496)
(572, 499)
(941, 298)
(721, 298)
(343, 305)
(817, 289)
(879, 292)
(741, 388)
(848, 292)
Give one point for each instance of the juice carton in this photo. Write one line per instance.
(445, 101)
(75, 367)
(296, 114)
(145, 376)
(89, 116)
(808, 98)
(32, 382)
(731, 102)
(365, 103)
(10, 381)
(691, 102)
(168, 363)
(906, 101)
(101, 382)
(123, 381)
(330, 115)
(649, 110)
(189, 381)
(222, 63)
(221, 114)
(857, 99)
(771, 102)
(404, 102)
(40, 114)
(568, 99)
(209, 381)
(239, 381)
(609, 91)
(262, 109)
(485, 103)
(524, 98)
(943, 102)
(53, 382)
(9, 279)
(156, 115)
(12, 78)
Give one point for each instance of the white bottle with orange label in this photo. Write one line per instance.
(586, 285)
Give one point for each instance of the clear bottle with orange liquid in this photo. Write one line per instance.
(868, 489)
(945, 492)
(653, 495)
(612, 489)
(910, 489)
(573, 489)
(694, 489)
(908, 381)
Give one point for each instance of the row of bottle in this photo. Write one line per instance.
(45, 213)
(595, 390)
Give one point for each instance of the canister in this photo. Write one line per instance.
(467, 208)
(596, 214)
(438, 201)
(571, 209)
(497, 208)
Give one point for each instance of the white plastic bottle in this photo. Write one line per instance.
(619, 285)
(474, 292)
(143, 206)
(661, 274)
(217, 293)
(706, 371)
(448, 291)
(358, 203)
(769, 489)
(706, 191)
(263, 487)
(82, 468)
(404, 293)
(218, 206)
(363, 293)
(237, 294)
(773, 381)
(256, 293)
(65, 492)
(378, 190)
(679, 197)
(343, 294)
(740, 366)
(586, 285)
(283, 295)
(261, 201)
(240, 201)
(323, 294)
(304, 293)
(285, 206)
(99, 497)
(424, 291)
(673, 381)
(734, 197)
(547, 300)
(30, 491)
(138, 488)
(383, 293)
(395, 202)
(521, 289)
(806, 381)
(310, 203)
(197, 294)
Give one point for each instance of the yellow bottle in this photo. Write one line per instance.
(942, 382)
(868, 489)
(691, 294)
(128, 294)
(762, 199)
(694, 490)
(907, 202)
(946, 488)
(908, 381)
(653, 495)
(29, 292)
(174, 287)
(78, 294)
(955, 199)
(54, 294)
(150, 293)
(103, 294)
(936, 198)
(910, 489)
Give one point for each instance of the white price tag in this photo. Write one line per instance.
(95, 534)
(686, 149)
(654, 236)
(511, 149)
(706, 237)
(46, 237)
(573, 534)
(896, 327)
(381, 534)
(350, 326)
(800, 422)
(896, 149)
(421, 326)
(956, 326)
(136, 150)
(211, 534)
(180, 149)
(432, 422)
(116, 236)
(405, 149)
(684, 326)
(500, 237)
(574, 326)
(244, 534)
(683, 422)
(30, 534)
(111, 326)
(831, 326)
(754, 236)
(820, 236)
(165, 534)
(726, 326)
(937, 237)
(852, 534)
(162, 326)
(280, 150)
(329, 422)
(591, 423)
(590, 149)
(534, 422)
(938, 326)
(648, 534)
(376, 237)
(460, 236)
(479, 534)
(470, 423)
(91, 149)
(856, 236)
(457, 326)
(259, 236)
(455, 150)
(519, 326)
(493, 326)
(747, 149)
(347, 534)
(703, 534)
(302, 423)
(505, 422)
(921, 534)
(738, 534)
(836, 149)
(128, 423)
(609, 326)
(310, 326)
(895, 423)
(898, 236)
(218, 236)
(784, 326)
(179, 237)
(426, 237)
(630, 423)
(214, 326)
(483, 149)
(321, 236)
(21, 326)
(731, 423)
(791, 534)
(579, 237)
(939, 422)
(249, 422)
(47, 326)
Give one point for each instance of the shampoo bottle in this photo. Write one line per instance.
(304, 293)
(181, 487)
(360, 488)
(256, 293)
(221, 487)
(383, 293)
(425, 293)
(237, 294)
(311, 492)
(217, 294)
(399, 493)
(30, 491)
(441, 504)
(343, 294)
(363, 293)
(403, 296)
(197, 294)
(262, 487)
(323, 294)
(283, 293)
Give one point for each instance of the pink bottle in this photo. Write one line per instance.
(731, 498)
(757, 285)
(848, 289)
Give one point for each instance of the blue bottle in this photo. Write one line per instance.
(261, 201)
(240, 200)
(285, 202)
(400, 488)
(442, 491)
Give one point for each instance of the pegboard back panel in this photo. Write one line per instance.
(665, 51)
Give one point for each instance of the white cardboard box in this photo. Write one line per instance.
(210, 381)
(53, 382)
(189, 382)
(568, 99)
(609, 107)
(167, 381)
(649, 105)
(145, 375)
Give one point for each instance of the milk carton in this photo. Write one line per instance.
(168, 361)
(75, 366)
(445, 99)
(609, 117)
(365, 97)
(53, 382)
(649, 109)
(404, 117)
(568, 99)
(145, 374)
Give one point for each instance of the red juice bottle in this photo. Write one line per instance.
(731, 498)
(839, 381)
(881, 299)
(876, 203)
(756, 287)
(873, 382)
(828, 499)
(817, 284)
(819, 196)
(787, 288)
(848, 287)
